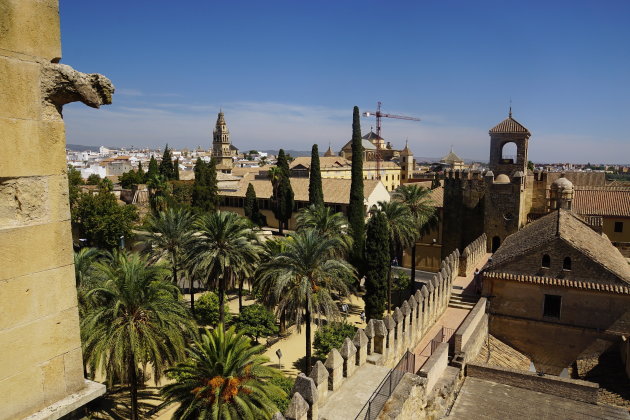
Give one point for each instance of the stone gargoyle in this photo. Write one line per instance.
(61, 84)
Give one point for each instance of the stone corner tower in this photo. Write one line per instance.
(406, 162)
(221, 146)
(506, 200)
(41, 367)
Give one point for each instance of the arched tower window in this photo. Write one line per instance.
(509, 152)
(546, 261)
(566, 264)
(496, 243)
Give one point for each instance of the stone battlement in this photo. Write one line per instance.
(383, 342)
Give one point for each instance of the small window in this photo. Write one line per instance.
(552, 306)
(618, 227)
(546, 261)
(566, 264)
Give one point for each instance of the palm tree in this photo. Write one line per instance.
(402, 234)
(158, 192)
(418, 199)
(169, 235)
(326, 221)
(225, 250)
(84, 261)
(303, 278)
(224, 377)
(135, 318)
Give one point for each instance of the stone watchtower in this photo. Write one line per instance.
(221, 146)
(495, 203)
(506, 201)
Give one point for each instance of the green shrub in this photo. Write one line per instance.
(207, 309)
(286, 384)
(257, 321)
(331, 336)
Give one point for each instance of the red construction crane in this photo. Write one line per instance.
(378, 114)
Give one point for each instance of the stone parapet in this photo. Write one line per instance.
(434, 367)
(472, 255)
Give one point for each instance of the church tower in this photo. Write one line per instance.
(221, 147)
(406, 162)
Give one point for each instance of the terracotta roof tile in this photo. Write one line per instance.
(602, 201)
(509, 125)
(551, 281)
(336, 191)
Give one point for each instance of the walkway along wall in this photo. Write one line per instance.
(41, 367)
(472, 255)
(383, 342)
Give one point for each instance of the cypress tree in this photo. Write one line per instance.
(166, 166)
(435, 183)
(315, 191)
(153, 169)
(283, 206)
(205, 189)
(356, 213)
(176, 170)
(251, 206)
(141, 175)
(377, 259)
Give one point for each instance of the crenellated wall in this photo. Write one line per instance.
(383, 342)
(472, 255)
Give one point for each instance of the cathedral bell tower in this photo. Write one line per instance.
(221, 146)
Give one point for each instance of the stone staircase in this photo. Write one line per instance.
(462, 301)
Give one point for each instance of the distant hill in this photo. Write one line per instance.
(81, 148)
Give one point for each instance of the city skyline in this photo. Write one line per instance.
(287, 75)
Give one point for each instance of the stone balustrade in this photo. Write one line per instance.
(383, 342)
(472, 255)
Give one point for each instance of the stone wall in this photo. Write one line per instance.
(472, 255)
(573, 389)
(41, 361)
(383, 342)
(471, 334)
(434, 367)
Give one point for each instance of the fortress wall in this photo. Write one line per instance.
(41, 359)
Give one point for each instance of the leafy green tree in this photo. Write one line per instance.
(530, 165)
(106, 184)
(101, 220)
(418, 200)
(159, 192)
(283, 193)
(356, 212)
(401, 283)
(225, 377)
(252, 212)
(331, 336)
(153, 169)
(181, 193)
(135, 318)
(167, 170)
(315, 191)
(93, 179)
(303, 278)
(74, 180)
(168, 235)
(131, 179)
(402, 235)
(282, 400)
(207, 312)
(257, 321)
(226, 251)
(205, 196)
(377, 262)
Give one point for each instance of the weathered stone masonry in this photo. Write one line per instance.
(41, 369)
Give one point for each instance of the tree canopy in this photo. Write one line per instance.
(315, 191)
(377, 261)
(356, 211)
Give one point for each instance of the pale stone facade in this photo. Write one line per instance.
(41, 369)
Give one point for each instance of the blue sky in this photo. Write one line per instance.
(287, 73)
